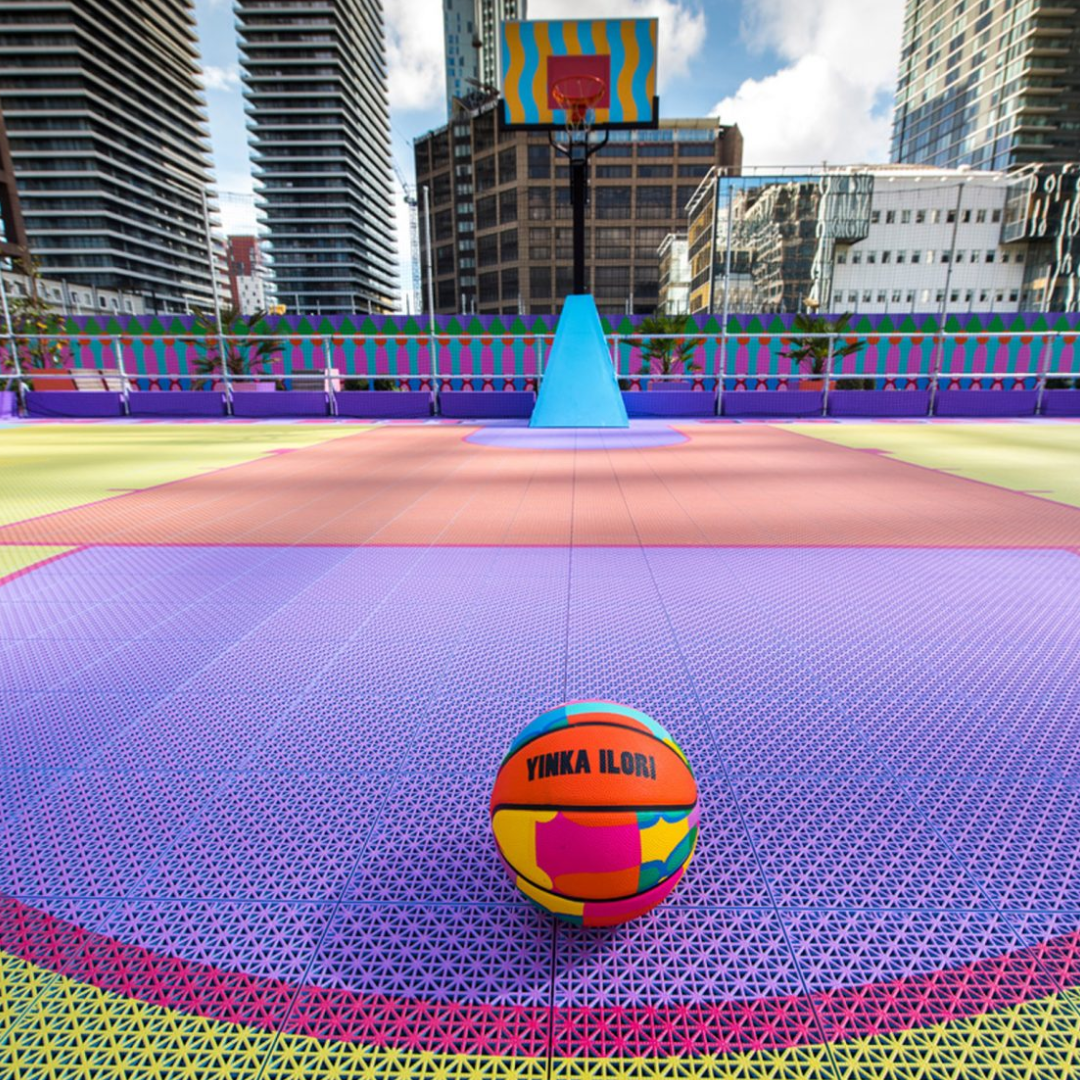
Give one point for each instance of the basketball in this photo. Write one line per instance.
(595, 813)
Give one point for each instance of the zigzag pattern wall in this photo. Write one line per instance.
(495, 353)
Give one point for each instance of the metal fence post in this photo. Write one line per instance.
(721, 370)
(328, 364)
(1044, 372)
(118, 349)
(828, 374)
(936, 361)
(225, 376)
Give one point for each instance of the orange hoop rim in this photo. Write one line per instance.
(577, 95)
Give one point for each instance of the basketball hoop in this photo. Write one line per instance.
(578, 96)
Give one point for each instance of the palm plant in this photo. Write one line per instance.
(815, 351)
(218, 354)
(666, 355)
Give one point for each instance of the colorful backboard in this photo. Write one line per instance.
(620, 52)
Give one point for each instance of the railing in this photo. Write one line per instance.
(731, 361)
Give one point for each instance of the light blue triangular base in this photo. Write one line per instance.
(579, 388)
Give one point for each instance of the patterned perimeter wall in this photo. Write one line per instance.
(493, 353)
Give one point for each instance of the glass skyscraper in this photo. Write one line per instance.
(316, 89)
(471, 40)
(988, 83)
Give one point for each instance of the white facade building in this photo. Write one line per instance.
(932, 242)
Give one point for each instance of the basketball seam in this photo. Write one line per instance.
(609, 899)
(593, 723)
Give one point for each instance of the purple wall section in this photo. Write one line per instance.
(181, 403)
(296, 403)
(73, 403)
(376, 404)
(469, 405)
(670, 403)
(986, 403)
(1061, 403)
(767, 403)
(879, 402)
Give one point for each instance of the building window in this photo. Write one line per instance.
(539, 244)
(875, 217)
(508, 245)
(654, 172)
(911, 297)
(890, 217)
(540, 281)
(901, 256)
(920, 217)
(654, 202)
(868, 296)
(612, 202)
(980, 217)
(871, 257)
(886, 256)
(856, 258)
(539, 162)
(950, 217)
(539, 204)
(507, 207)
(966, 218)
(996, 217)
(990, 255)
(905, 217)
(841, 257)
(614, 172)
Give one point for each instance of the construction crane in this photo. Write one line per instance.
(409, 193)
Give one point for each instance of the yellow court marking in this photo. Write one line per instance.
(18, 557)
(56, 1027)
(54, 467)
(1043, 458)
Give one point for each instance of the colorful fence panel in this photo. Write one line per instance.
(491, 353)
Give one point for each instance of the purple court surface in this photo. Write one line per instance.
(244, 810)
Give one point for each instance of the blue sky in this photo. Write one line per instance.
(806, 81)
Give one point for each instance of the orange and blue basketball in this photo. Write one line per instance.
(595, 812)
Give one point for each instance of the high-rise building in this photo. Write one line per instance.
(988, 83)
(501, 211)
(109, 139)
(471, 45)
(316, 90)
(247, 275)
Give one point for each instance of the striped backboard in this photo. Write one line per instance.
(621, 52)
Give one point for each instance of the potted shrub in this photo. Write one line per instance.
(814, 351)
(250, 357)
(666, 355)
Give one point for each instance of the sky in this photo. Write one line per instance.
(807, 81)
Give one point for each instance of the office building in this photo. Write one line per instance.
(501, 213)
(988, 83)
(674, 284)
(316, 94)
(870, 239)
(109, 139)
(471, 46)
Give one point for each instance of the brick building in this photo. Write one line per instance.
(501, 214)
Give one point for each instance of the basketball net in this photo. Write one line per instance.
(578, 95)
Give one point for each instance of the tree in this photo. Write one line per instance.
(249, 356)
(34, 323)
(815, 350)
(666, 355)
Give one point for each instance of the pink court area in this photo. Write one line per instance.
(718, 486)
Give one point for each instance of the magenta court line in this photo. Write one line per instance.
(460, 1027)
(40, 563)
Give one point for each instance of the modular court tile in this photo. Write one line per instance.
(251, 718)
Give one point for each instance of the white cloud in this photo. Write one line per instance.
(221, 78)
(824, 104)
(682, 28)
(414, 53)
